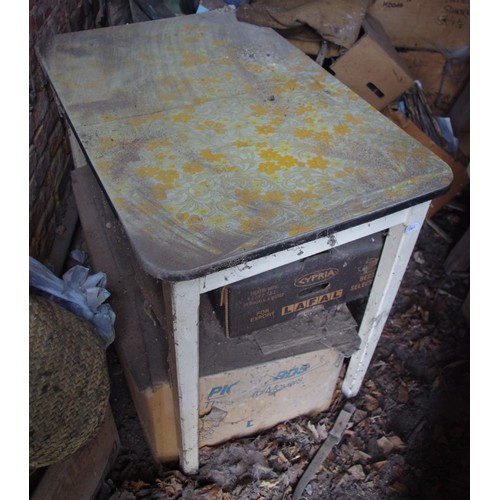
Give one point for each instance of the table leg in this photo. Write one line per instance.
(396, 253)
(182, 301)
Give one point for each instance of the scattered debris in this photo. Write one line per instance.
(438, 230)
(334, 437)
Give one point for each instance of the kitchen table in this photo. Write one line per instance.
(227, 152)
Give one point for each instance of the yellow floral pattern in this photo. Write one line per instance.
(215, 139)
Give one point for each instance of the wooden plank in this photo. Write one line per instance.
(460, 176)
(62, 242)
(304, 329)
(424, 24)
(80, 476)
(155, 408)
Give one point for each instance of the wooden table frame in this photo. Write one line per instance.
(182, 300)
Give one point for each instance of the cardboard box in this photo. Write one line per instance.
(247, 384)
(372, 68)
(442, 80)
(424, 24)
(321, 281)
(251, 399)
(245, 401)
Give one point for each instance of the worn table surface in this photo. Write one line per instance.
(217, 141)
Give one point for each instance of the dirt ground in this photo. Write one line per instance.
(408, 437)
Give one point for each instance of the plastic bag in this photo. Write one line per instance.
(78, 291)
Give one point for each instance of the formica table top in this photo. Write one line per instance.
(218, 141)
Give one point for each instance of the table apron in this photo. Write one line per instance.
(260, 265)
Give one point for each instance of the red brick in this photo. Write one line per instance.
(49, 155)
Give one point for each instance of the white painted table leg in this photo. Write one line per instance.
(396, 253)
(182, 301)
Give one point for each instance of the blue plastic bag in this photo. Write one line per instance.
(78, 291)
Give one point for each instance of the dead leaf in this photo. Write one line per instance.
(360, 456)
(403, 395)
(138, 485)
(397, 442)
(385, 445)
(378, 465)
(398, 487)
(313, 431)
(210, 492)
(171, 487)
(322, 431)
(266, 451)
(359, 415)
(424, 314)
(270, 483)
(418, 257)
(371, 403)
(343, 479)
(282, 460)
(357, 472)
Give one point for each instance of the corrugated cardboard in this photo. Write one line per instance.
(247, 387)
(372, 68)
(244, 401)
(251, 399)
(322, 281)
(424, 24)
(442, 80)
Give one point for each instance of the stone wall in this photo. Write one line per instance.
(49, 154)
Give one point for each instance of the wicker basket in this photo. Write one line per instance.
(69, 382)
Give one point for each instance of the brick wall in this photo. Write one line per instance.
(49, 154)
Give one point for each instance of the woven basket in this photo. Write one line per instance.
(69, 382)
